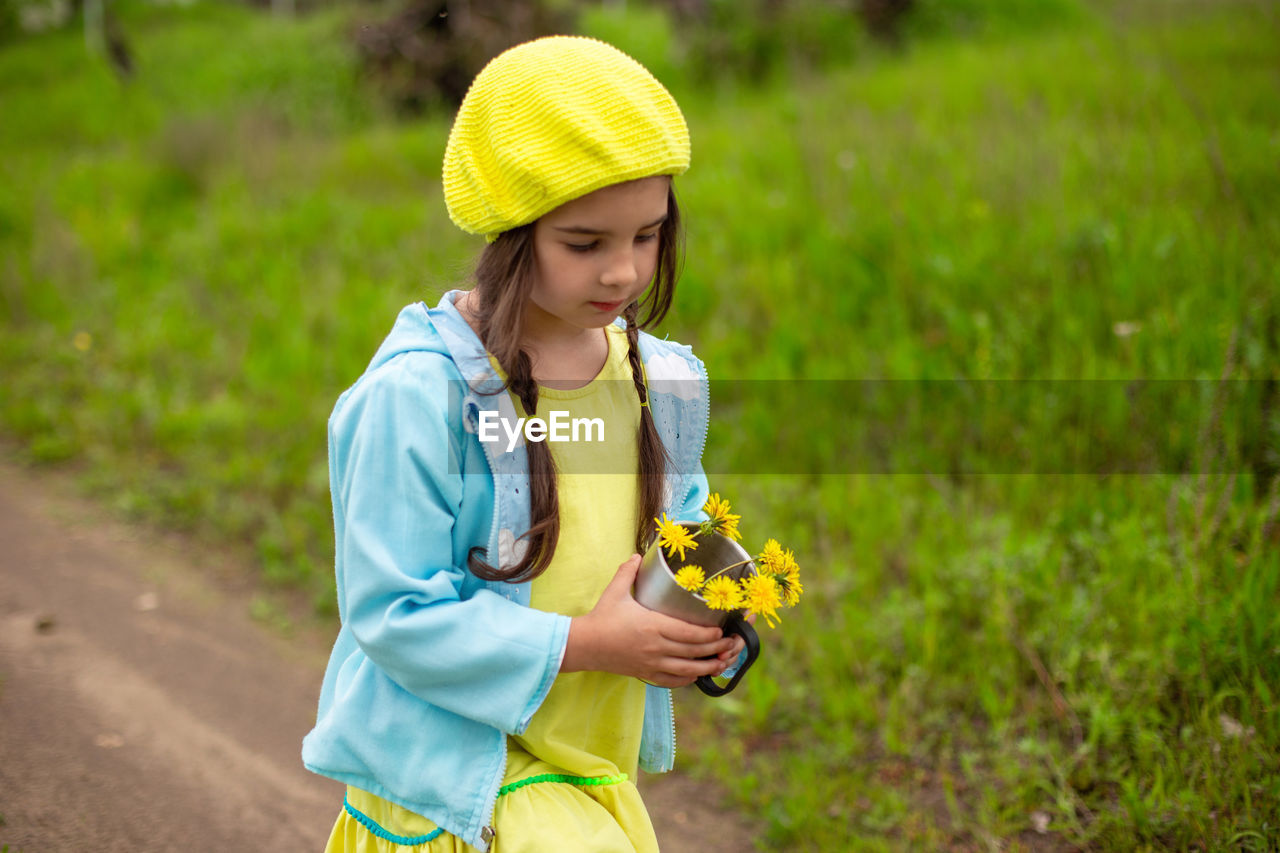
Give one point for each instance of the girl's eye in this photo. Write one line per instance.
(582, 247)
(646, 238)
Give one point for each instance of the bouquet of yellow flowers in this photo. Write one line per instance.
(774, 583)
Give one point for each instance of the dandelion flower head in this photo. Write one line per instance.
(792, 589)
(722, 520)
(723, 593)
(691, 577)
(674, 536)
(788, 578)
(772, 557)
(762, 596)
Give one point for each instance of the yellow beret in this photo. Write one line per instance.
(551, 120)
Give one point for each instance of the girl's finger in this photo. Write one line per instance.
(691, 668)
(624, 577)
(699, 650)
(686, 632)
(734, 650)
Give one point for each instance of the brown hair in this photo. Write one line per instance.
(504, 280)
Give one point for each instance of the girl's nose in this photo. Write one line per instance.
(621, 269)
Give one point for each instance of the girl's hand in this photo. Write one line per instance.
(620, 635)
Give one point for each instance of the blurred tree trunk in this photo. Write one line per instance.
(93, 32)
(883, 18)
(102, 31)
(428, 53)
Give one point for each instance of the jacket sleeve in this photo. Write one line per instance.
(397, 492)
(690, 508)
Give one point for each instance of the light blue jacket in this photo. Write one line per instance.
(433, 667)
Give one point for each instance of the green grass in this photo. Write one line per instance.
(194, 264)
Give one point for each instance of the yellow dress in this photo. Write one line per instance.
(570, 779)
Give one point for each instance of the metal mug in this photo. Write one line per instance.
(656, 589)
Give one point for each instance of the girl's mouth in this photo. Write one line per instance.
(607, 306)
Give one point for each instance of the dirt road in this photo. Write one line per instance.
(142, 709)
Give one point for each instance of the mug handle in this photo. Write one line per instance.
(734, 625)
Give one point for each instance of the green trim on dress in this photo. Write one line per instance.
(581, 781)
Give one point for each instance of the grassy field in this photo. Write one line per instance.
(1035, 654)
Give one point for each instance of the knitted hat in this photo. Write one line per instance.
(551, 120)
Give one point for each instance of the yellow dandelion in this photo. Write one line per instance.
(772, 558)
(691, 578)
(722, 520)
(762, 596)
(789, 578)
(792, 589)
(723, 593)
(674, 536)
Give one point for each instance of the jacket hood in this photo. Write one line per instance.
(413, 331)
(443, 331)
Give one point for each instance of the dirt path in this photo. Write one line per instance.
(142, 709)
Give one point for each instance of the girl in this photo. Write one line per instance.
(493, 684)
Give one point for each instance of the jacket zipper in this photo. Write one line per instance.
(702, 446)
(670, 764)
(706, 422)
(487, 832)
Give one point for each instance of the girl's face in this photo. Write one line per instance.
(595, 255)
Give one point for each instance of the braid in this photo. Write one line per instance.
(633, 352)
(503, 282)
(520, 381)
(653, 455)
